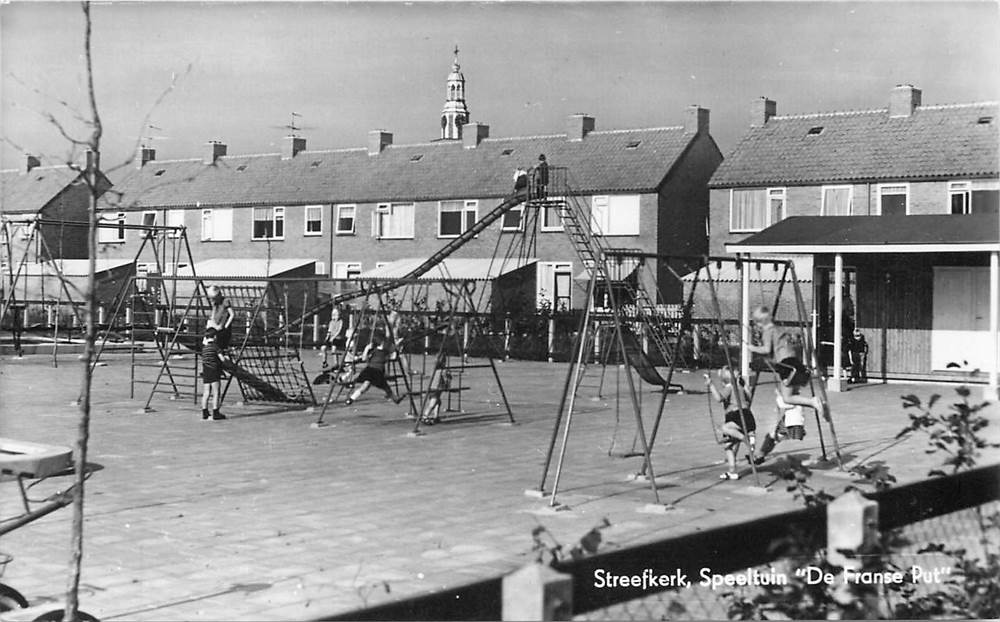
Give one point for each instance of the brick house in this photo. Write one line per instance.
(354, 210)
(924, 178)
(39, 243)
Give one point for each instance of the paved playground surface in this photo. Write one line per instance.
(262, 517)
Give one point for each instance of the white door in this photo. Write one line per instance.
(960, 339)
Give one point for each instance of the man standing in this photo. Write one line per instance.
(541, 178)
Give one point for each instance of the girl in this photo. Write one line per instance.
(733, 431)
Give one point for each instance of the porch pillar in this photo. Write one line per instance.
(838, 322)
(993, 384)
(744, 319)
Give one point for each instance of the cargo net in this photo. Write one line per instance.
(269, 373)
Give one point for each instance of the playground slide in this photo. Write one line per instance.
(639, 360)
(267, 391)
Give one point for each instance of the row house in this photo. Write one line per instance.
(892, 212)
(340, 213)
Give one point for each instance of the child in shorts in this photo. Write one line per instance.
(738, 415)
(211, 376)
(377, 353)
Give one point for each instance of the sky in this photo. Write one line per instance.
(240, 69)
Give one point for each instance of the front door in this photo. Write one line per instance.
(960, 339)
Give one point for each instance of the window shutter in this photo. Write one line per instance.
(222, 224)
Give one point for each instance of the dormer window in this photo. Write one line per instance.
(985, 120)
(416, 158)
(159, 172)
(506, 152)
(316, 163)
(815, 131)
(241, 168)
(633, 144)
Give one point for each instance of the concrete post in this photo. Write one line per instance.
(506, 337)
(851, 525)
(993, 386)
(465, 339)
(537, 592)
(100, 314)
(551, 339)
(315, 328)
(838, 322)
(744, 319)
(128, 316)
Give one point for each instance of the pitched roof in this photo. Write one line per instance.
(603, 161)
(29, 192)
(825, 234)
(933, 142)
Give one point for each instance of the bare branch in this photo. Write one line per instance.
(54, 121)
(76, 113)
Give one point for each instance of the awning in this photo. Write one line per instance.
(72, 267)
(461, 269)
(617, 270)
(244, 268)
(935, 233)
(766, 274)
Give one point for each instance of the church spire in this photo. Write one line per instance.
(455, 113)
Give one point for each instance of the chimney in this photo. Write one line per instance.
(903, 100)
(378, 140)
(474, 133)
(578, 126)
(696, 120)
(146, 154)
(213, 151)
(292, 146)
(31, 162)
(762, 111)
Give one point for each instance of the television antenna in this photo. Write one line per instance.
(147, 140)
(294, 126)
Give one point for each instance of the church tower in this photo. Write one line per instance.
(455, 113)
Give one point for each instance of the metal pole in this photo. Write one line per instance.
(838, 322)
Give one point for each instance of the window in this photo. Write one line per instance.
(815, 131)
(555, 285)
(456, 217)
(552, 214)
(112, 234)
(142, 272)
(24, 231)
(974, 197)
(175, 218)
(837, 201)
(148, 219)
(513, 219)
(321, 268)
(346, 270)
(634, 144)
(269, 223)
(506, 152)
(748, 210)
(314, 220)
(217, 225)
(776, 201)
(346, 215)
(393, 221)
(615, 215)
(417, 157)
(893, 199)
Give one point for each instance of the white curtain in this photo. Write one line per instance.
(749, 210)
(837, 201)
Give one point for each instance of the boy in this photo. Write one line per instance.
(211, 375)
(857, 352)
(782, 354)
(732, 430)
(378, 353)
(336, 335)
(222, 317)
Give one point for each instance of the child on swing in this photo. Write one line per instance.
(377, 353)
(782, 354)
(440, 382)
(735, 398)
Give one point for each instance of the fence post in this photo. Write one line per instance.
(315, 328)
(552, 338)
(465, 339)
(506, 337)
(537, 592)
(851, 531)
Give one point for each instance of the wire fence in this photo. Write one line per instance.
(941, 538)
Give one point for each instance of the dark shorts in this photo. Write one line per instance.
(337, 343)
(733, 416)
(211, 374)
(375, 376)
(223, 337)
(793, 368)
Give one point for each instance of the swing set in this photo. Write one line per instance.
(623, 344)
